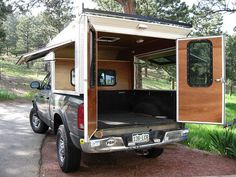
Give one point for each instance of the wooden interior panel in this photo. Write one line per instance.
(92, 93)
(155, 45)
(114, 53)
(127, 46)
(63, 73)
(125, 40)
(124, 72)
(66, 52)
(200, 104)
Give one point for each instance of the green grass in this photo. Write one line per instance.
(29, 95)
(230, 107)
(150, 83)
(199, 135)
(7, 95)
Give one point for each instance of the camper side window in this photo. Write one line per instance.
(199, 69)
(106, 77)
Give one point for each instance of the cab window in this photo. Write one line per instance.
(106, 77)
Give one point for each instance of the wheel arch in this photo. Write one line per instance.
(59, 119)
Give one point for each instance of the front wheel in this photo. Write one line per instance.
(37, 125)
(67, 154)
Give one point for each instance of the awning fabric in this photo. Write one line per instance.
(42, 52)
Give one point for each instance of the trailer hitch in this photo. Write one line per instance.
(230, 124)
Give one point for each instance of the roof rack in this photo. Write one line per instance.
(136, 17)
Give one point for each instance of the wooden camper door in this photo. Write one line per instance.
(92, 81)
(200, 80)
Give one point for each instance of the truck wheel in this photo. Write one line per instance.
(67, 154)
(153, 152)
(37, 125)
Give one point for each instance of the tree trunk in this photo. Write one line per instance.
(172, 83)
(146, 71)
(139, 84)
(231, 88)
(129, 6)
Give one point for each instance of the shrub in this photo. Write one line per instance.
(224, 142)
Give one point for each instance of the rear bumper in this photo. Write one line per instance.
(112, 144)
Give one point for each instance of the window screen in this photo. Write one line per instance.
(106, 77)
(200, 63)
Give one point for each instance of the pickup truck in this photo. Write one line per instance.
(95, 99)
(64, 114)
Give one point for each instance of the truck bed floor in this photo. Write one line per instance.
(112, 120)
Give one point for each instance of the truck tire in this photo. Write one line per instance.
(37, 125)
(153, 152)
(67, 154)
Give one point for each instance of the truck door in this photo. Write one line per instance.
(200, 80)
(92, 82)
(43, 99)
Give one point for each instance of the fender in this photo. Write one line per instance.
(35, 106)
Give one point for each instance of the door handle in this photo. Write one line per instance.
(220, 80)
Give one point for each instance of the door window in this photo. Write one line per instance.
(46, 84)
(199, 67)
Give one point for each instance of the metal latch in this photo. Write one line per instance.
(222, 80)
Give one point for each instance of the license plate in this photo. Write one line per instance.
(140, 138)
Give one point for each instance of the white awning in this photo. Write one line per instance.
(42, 52)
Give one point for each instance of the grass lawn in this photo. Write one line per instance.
(10, 68)
(7, 95)
(15, 79)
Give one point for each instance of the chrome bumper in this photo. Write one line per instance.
(112, 144)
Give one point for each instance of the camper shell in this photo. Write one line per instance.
(95, 64)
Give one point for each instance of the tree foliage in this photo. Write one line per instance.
(205, 23)
(231, 62)
(216, 6)
(26, 32)
(167, 9)
(4, 11)
(58, 13)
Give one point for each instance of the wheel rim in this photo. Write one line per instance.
(36, 121)
(61, 149)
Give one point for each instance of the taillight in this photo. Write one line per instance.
(80, 117)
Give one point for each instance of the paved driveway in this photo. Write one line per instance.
(19, 146)
(176, 161)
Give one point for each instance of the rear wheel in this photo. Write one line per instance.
(67, 154)
(37, 125)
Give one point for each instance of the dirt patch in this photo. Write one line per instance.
(176, 161)
(18, 85)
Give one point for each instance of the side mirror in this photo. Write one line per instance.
(35, 85)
